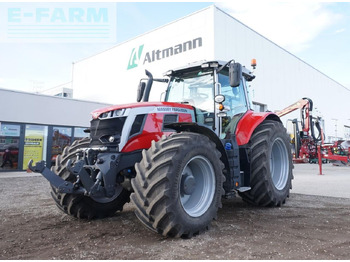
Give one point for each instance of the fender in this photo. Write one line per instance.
(195, 128)
(249, 122)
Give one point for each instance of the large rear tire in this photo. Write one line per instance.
(271, 165)
(179, 185)
(81, 206)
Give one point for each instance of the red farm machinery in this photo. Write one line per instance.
(308, 145)
(176, 159)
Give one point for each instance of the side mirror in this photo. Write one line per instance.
(140, 91)
(235, 73)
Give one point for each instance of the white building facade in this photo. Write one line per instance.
(38, 127)
(64, 90)
(211, 34)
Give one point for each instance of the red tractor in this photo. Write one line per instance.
(176, 159)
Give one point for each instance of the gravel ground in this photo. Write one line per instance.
(307, 227)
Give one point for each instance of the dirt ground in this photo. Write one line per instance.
(307, 227)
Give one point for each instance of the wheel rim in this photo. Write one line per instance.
(104, 200)
(197, 186)
(279, 164)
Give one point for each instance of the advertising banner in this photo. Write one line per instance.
(33, 148)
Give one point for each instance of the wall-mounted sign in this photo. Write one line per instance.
(9, 130)
(158, 54)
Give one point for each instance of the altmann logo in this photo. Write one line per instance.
(155, 55)
(135, 57)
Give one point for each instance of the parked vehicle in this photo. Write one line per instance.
(176, 158)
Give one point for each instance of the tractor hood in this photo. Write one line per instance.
(97, 113)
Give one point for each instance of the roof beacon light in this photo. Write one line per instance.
(253, 63)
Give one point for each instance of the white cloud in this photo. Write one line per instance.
(340, 30)
(292, 25)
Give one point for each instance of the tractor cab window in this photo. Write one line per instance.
(195, 88)
(235, 103)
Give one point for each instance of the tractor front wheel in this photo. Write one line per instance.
(81, 206)
(179, 185)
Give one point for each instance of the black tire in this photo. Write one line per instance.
(81, 206)
(271, 166)
(179, 185)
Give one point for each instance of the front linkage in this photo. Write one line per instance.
(92, 179)
(56, 181)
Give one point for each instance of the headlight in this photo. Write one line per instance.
(219, 98)
(118, 112)
(221, 114)
(213, 64)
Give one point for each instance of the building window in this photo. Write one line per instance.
(347, 132)
(79, 133)
(258, 107)
(61, 137)
(9, 146)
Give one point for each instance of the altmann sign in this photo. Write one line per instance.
(137, 58)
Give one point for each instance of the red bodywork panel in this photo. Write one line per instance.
(153, 127)
(248, 123)
(98, 112)
(152, 130)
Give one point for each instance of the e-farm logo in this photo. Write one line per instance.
(58, 22)
(159, 54)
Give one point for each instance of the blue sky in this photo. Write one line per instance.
(330, 50)
(316, 32)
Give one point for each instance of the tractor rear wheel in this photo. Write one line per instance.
(271, 165)
(179, 185)
(81, 206)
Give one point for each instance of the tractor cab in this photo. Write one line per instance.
(217, 91)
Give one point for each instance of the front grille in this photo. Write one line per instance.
(137, 125)
(102, 129)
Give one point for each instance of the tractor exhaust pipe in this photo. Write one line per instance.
(148, 86)
(144, 89)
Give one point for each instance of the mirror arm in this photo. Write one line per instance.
(222, 67)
